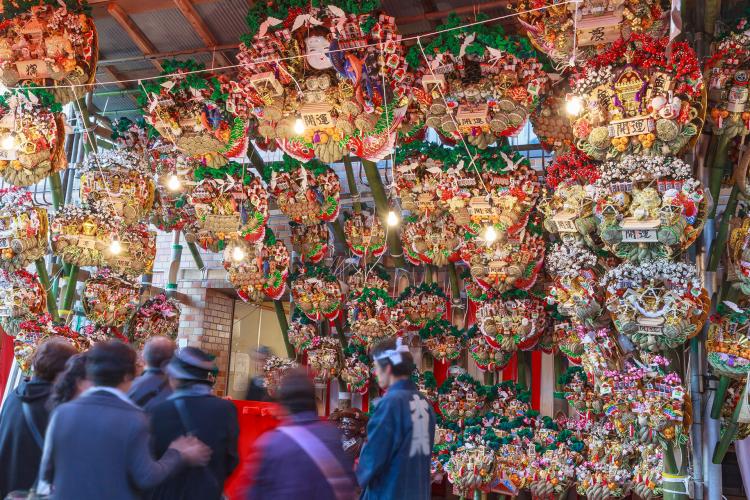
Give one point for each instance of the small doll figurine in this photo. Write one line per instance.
(353, 425)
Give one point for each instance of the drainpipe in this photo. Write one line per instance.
(174, 264)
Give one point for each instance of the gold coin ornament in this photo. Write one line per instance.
(658, 304)
(23, 229)
(22, 297)
(188, 109)
(32, 136)
(119, 180)
(258, 271)
(109, 299)
(632, 100)
(307, 194)
(310, 242)
(230, 203)
(589, 27)
(317, 293)
(49, 43)
(323, 81)
(158, 315)
(476, 86)
(648, 207)
(32, 332)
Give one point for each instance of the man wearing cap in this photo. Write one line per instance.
(193, 409)
(395, 460)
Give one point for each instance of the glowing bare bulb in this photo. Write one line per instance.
(574, 106)
(392, 219)
(115, 248)
(8, 142)
(238, 254)
(173, 183)
(490, 235)
(299, 126)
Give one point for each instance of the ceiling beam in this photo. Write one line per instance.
(188, 10)
(133, 31)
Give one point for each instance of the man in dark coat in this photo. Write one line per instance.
(256, 388)
(302, 458)
(97, 445)
(193, 410)
(395, 460)
(152, 387)
(23, 420)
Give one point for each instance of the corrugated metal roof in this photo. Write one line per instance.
(114, 42)
(167, 29)
(225, 19)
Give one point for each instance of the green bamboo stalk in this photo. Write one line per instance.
(721, 394)
(729, 432)
(339, 235)
(196, 255)
(41, 271)
(351, 180)
(284, 325)
(57, 193)
(428, 274)
(717, 249)
(670, 467)
(454, 280)
(381, 206)
(89, 141)
(70, 290)
(721, 157)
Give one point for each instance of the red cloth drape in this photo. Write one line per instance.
(6, 359)
(471, 314)
(440, 370)
(536, 379)
(510, 372)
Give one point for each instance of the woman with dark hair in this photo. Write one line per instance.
(71, 382)
(23, 420)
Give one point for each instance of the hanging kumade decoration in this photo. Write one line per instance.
(728, 343)
(36, 330)
(310, 242)
(356, 369)
(728, 73)
(513, 324)
(566, 340)
(137, 250)
(22, 297)
(121, 181)
(637, 101)
(317, 293)
(324, 358)
(187, 108)
(323, 81)
(551, 123)
(460, 397)
(429, 240)
(109, 298)
(301, 332)
(486, 357)
(365, 235)
(49, 43)
(418, 305)
(258, 271)
(174, 183)
(307, 194)
(369, 316)
(23, 229)
(80, 235)
(229, 203)
(32, 129)
(442, 340)
(649, 208)
(657, 304)
(375, 277)
(158, 315)
(475, 84)
(131, 135)
(598, 23)
(274, 370)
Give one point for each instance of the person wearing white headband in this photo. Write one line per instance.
(395, 460)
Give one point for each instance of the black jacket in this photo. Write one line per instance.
(19, 452)
(214, 422)
(150, 389)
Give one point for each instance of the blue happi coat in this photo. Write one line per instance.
(395, 461)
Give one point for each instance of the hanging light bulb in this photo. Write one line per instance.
(9, 142)
(115, 248)
(573, 105)
(392, 219)
(490, 235)
(299, 126)
(238, 254)
(173, 183)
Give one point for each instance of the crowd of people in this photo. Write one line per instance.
(84, 426)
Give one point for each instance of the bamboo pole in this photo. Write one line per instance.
(381, 206)
(57, 192)
(721, 156)
(455, 288)
(70, 290)
(196, 255)
(41, 270)
(729, 432)
(721, 393)
(717, 249)
(284, 325)
(351, 180)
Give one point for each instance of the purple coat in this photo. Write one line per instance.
(284, 470)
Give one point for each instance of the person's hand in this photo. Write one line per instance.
(193, 451)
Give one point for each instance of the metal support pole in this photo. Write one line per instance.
(696, 429)
(174, 264)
